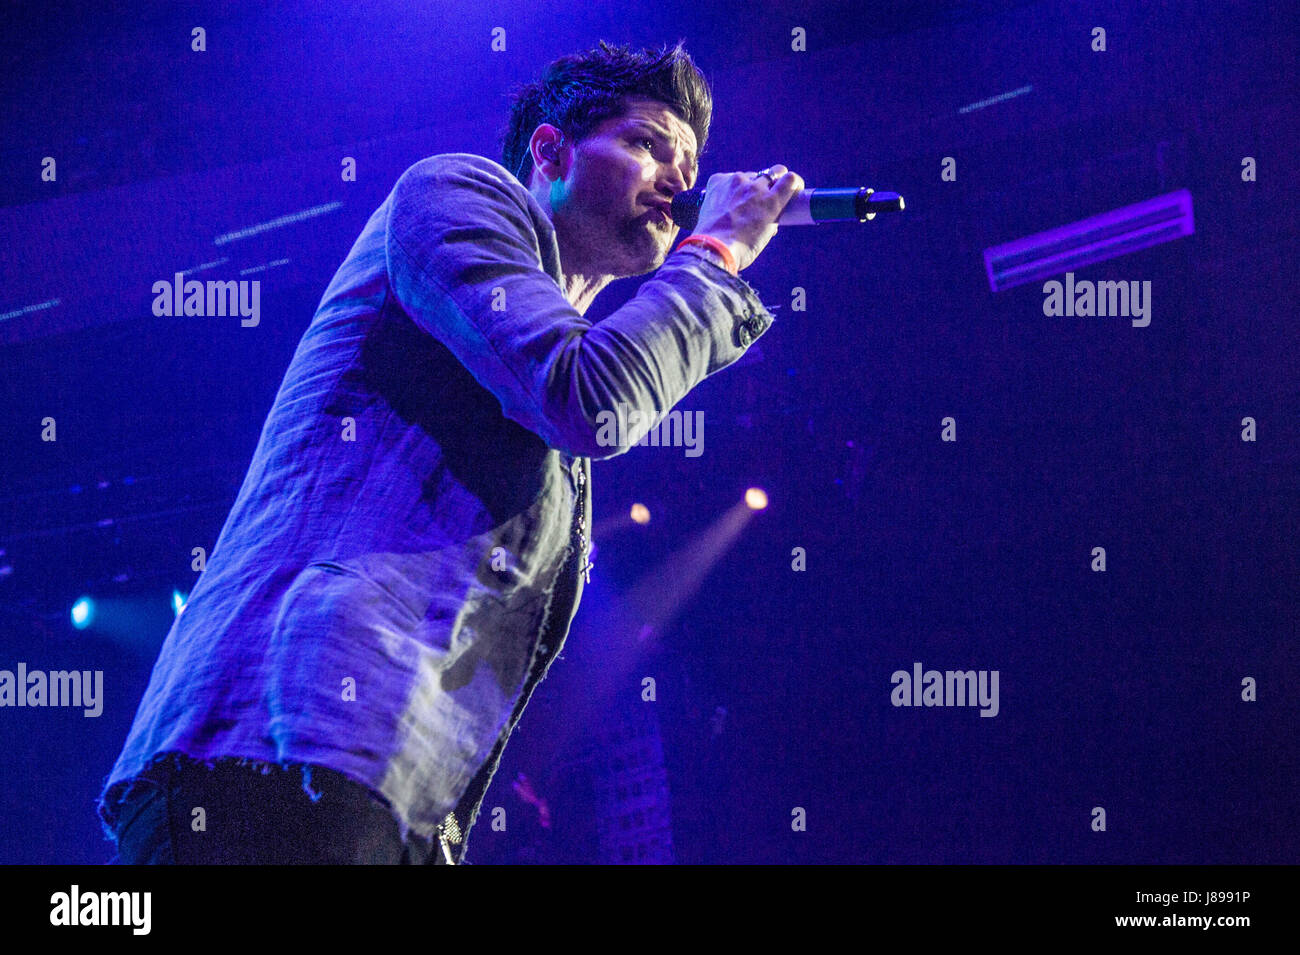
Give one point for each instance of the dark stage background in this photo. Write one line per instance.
(1120, 689)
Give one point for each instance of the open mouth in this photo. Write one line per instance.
(659, 212)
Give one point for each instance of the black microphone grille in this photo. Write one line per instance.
(686, 208)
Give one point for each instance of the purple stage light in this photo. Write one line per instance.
(1090, 240)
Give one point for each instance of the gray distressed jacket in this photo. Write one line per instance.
(405, 556)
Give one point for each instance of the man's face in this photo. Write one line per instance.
(606, 207)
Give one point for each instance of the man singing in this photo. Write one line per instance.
(411, 541)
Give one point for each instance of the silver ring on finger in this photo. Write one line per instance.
(767, 174)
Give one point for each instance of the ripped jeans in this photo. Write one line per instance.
(238, 812)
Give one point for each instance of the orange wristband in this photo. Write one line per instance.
(717, 245)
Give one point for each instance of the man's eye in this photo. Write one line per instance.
(647, 140)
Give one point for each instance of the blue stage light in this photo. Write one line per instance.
(83, 612)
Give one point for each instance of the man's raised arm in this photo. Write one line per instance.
(465, 246)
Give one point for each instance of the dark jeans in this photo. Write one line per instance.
(255, 818)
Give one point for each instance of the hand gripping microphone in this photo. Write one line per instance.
(808, 207)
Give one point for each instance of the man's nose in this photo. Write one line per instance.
(671, 179)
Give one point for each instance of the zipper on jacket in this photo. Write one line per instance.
(449, 834)
(584, 565)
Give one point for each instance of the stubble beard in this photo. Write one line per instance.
(621, 246)
(647, 235)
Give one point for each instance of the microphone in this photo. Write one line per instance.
(808, 207)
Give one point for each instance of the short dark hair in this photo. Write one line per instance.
(580, 91)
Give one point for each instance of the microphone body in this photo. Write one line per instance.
(807, 207)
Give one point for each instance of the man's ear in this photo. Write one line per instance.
(550, 150)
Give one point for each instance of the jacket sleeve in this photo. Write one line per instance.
(465, 247)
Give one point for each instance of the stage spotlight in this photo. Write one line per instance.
(83, 612)
(756, 498)
(640, 514)
(178, 602)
